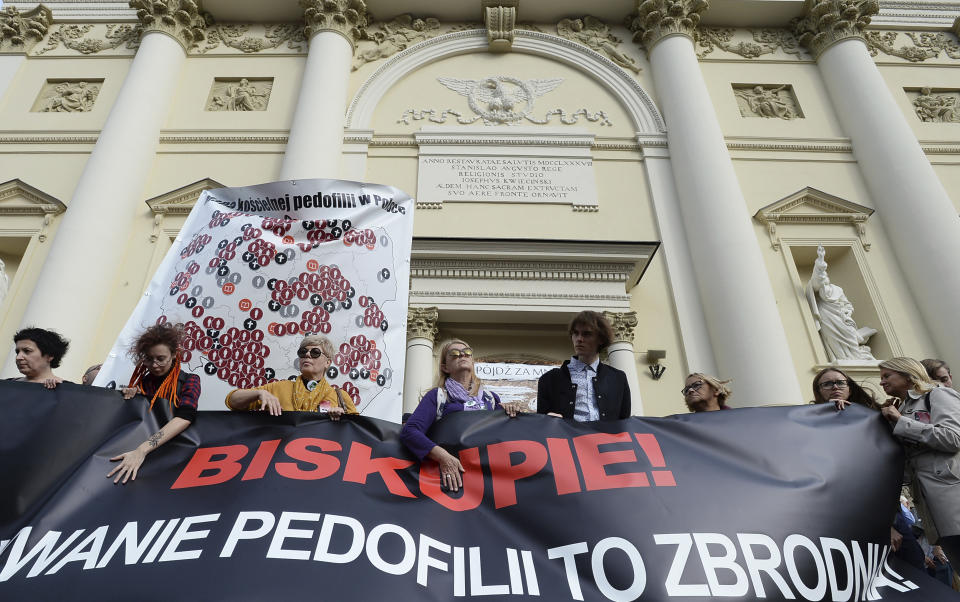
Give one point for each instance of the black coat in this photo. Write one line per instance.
(557, 393)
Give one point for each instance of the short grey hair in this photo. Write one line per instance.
(318, 340)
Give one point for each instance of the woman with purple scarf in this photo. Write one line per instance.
(457, 390)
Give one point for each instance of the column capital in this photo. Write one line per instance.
(19, 32)
(422, 322)
(830, 21)
(348, 18)
(182, 20)
(656, 19)
(623, 323)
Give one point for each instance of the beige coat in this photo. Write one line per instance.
(932, 446)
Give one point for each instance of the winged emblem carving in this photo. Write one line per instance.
(501, 99)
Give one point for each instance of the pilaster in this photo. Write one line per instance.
(830, 21)
(657, 19)
(182, 20)
(348, 18)
(20, 32)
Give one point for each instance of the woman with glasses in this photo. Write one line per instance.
(309, 392)
(158, 377)
(834, 386)
(457, 390)
(705, 393)
(926, 419)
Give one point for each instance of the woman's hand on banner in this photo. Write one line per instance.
(512, 408)
(450, 468)
(270, 403)
(129, 465)
(335, 413)
(128, 392)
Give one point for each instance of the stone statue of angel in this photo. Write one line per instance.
(594, 33)
(833, 315)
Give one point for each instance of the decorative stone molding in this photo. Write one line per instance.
(623, 323)
(522, 270)
(79, 38)
(177, 202)
(19, 198)
(767, 101)
(422, 322)
(656, 19)
(238, 37)
(500, 18)
(920, 47)
(763, 41)
(501, 100)
(935, 108)
(394, 36)
(244, 94)
(595, 34)
(19, 32)
(67, 96)
(349, 18)
(830, 21)
(180, 19)
(810, 206)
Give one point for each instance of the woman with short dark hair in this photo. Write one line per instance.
(157, 376)
(39, 351)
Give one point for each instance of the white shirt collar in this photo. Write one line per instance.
(576, 364)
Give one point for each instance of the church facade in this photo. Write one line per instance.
(682, 165)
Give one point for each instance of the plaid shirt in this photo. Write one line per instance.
(188, 395)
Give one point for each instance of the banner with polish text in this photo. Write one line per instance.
(779, 503)
(255, 269)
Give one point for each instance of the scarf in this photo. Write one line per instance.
(167, 388)
(456, 392)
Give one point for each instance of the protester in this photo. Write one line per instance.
(926, 418)
(157, 376)
(939, 371)
(458, 390)
(309, 392)
(584, 388)
(903, 541)
(831, 385)
(91, 374)
(38, 352)
(705, 393)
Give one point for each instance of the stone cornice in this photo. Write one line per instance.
(521, 270)
(422, 322)
(348, 18)
(19, 32)
(830, 21)
(623, 323)
(810, 206)
(656, 19)
(183, 20)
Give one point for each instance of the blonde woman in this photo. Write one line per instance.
(705, 393)
(457, 390)
(926, 419)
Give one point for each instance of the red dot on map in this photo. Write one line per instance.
(228, 288)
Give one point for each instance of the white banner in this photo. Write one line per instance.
(512, 382)
(254, 269)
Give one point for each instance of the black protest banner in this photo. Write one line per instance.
(774, 503)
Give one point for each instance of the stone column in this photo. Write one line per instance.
(418, 373)
(92, 235)
(19, 33)
(909, 197)
(620, 353)
(316, 133)
(748, 338)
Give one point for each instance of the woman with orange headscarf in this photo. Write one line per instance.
(158, 378)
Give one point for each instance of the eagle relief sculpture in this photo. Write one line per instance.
(501, 100)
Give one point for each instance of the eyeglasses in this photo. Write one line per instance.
(313, 352)
(159, 361)
(458, 353)
(829, 384)
(692, 387)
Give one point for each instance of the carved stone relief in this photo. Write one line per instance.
(500, 18)
(940, 106)
(240, 37)
(67, 96)
(19, 32)
(918, 47)
(389, 38)
(761, 42)
(80, 39)
(501, 100)
(594, 34)
(767, 101)
(244, 94)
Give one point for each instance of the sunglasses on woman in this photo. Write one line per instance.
(458, 353)
(312, 352)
